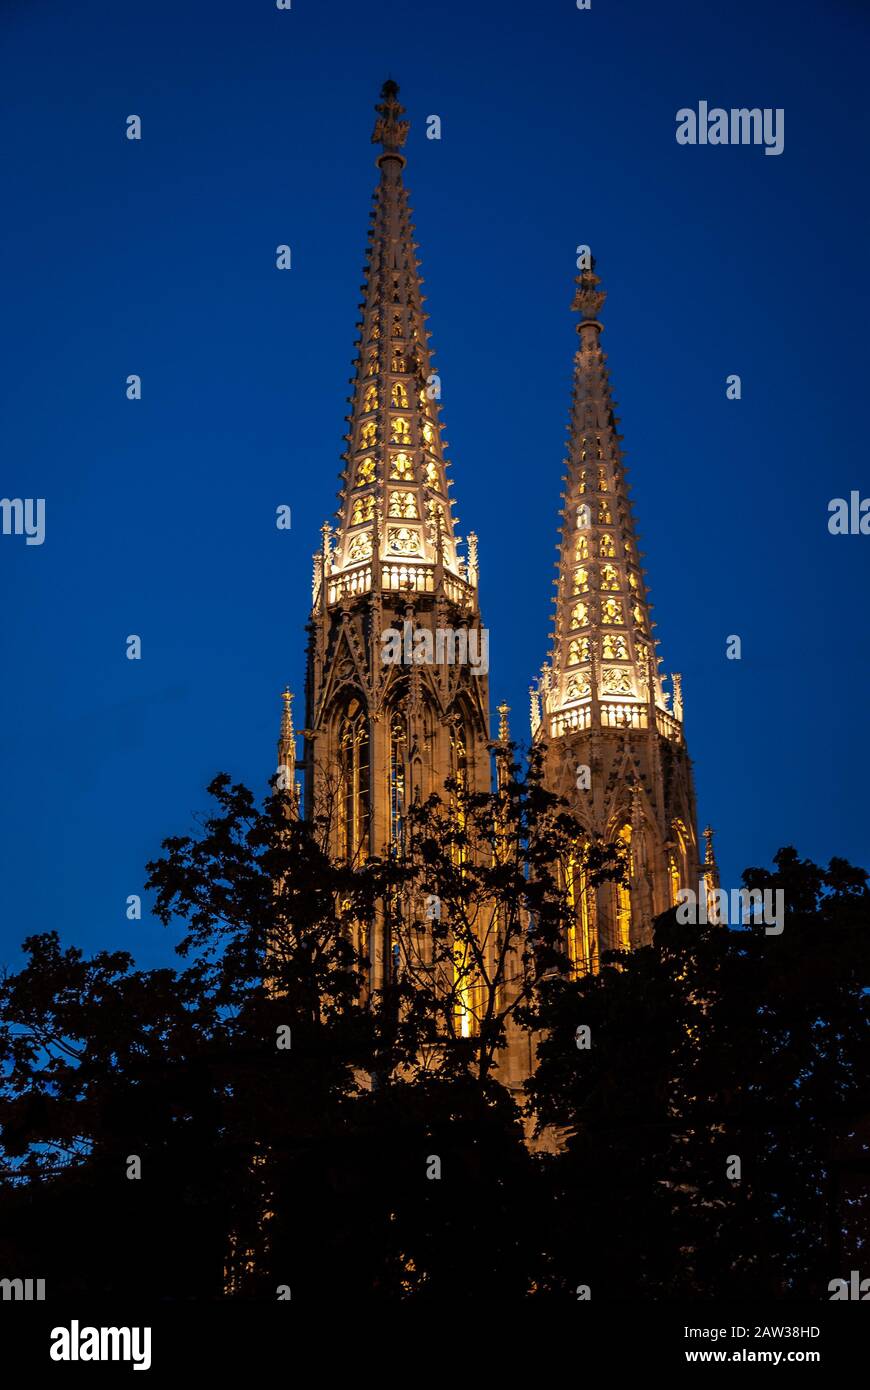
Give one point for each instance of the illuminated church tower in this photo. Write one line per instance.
(382, 735)
(613, 737)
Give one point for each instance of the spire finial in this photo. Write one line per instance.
(390, 130)
(326, 547)
(535, 708)
(588, 298)
(677, 683)
(472, 565)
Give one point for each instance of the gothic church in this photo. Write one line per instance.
(379, 736)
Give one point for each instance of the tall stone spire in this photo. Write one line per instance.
(602, 649)
(614, 747)
(395, 527)
(396, 704)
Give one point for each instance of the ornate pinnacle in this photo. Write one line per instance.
(472, 566)
(439, 538)
(287, 753)
(535, 708)
(504, 731)
(711, 877)
(677, 683)
(287, 714)
(326, 547)
(390, 131)
(588, 298)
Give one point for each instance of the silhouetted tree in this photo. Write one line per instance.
(714, 1045)
(297, 1129)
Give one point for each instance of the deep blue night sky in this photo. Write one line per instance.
(158, 258)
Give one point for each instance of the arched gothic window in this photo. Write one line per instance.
(677, 857)
(398, 777)
(623, 899)
(459, 754)
(465, 1022)
(459, 745)
(399, 395)
(354, 784)
(582, 937)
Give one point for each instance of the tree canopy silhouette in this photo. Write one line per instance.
(259, 1118)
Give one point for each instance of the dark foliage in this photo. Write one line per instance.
(291, 1126)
